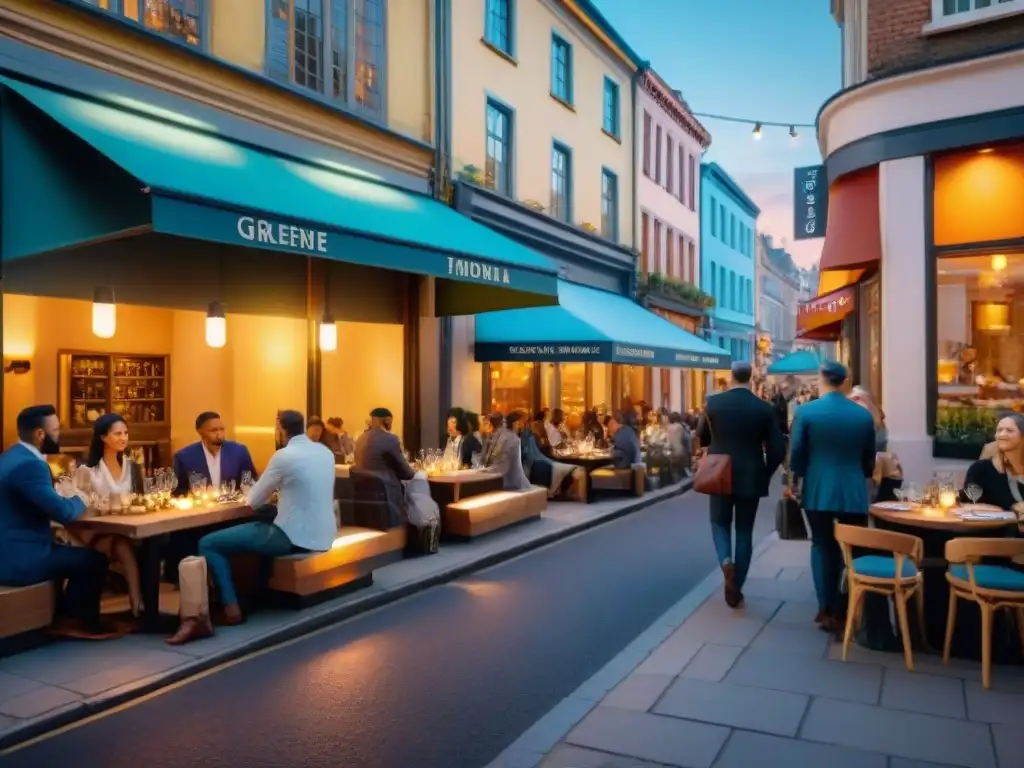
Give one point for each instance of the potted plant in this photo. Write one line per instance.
(961, 431)
(533, 205)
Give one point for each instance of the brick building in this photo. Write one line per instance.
(924, 152)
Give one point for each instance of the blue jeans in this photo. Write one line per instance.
(725, 511)
(827, 557)
(256, 538)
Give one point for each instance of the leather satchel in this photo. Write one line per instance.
(714, 474)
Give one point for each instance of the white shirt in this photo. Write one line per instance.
(554, 435)
(104, 482)
(213, 467)
(303, 475)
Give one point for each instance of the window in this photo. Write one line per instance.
(953, 7)
(645, 242)
(684, 272)
(561, 183)
(953, 14)
(714, 281)
(510, 386)
(611, 107)
(681, 194)
(693, 262)
(693, 182)
(670, 265)
(498, 161)
(657, 266)
(498, 25)
(714, 218)
(732, 290)
(331, 47)
(561, 69)
(657, 154)
(732, 230)
(610, 205)
(668, 163)
(723, 223)
(647, 143)
(180, 20)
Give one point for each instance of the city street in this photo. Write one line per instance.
(445, 679)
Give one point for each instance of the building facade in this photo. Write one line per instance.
(924, 150)
(779, 295)
(728, 266)
(669, 148)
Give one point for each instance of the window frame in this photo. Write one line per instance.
(510, 22)
(942, 22)
(349, 104)
(714, 217)
(669, 160)
(565, 150)
(657, 154)
(116, 11)
(559, 41)
(608, 175)
(611, 88)
(692, 169)
(509, 112)
(648, 120)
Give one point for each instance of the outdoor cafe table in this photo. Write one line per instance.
(149, 528)
(589, 462)
(935, 526)
(451, 486)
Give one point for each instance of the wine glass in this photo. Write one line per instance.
(914, 493)
(900, 493)
(973, 492)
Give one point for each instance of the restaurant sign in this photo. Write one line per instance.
(810, 202)
(597, 352)
(200, 222)
(825, 310)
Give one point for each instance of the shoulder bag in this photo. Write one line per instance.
(714, 474)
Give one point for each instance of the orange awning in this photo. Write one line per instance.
(825, 311)
(853, 238)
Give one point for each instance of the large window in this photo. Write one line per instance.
(647, 143)
(980, 337)
(561, 183)
(511, 387)
(609, 205)
(561, 69)
(692, 163)
(180, 20)
(331, 47)
(498, 25)
(611, 107)
(498, 162)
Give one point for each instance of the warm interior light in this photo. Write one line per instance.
(986, 151)
(216, 326)
(104, 313)
(994, 317)
(328, 334)
(757, 132)
(999, 262)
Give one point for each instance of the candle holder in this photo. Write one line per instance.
(947, 499)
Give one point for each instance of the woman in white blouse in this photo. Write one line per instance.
(113, 474)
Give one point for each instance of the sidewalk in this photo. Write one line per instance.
(706, 686)
(62, 682)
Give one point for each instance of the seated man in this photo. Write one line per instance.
(553, 475)
(338, 440)
(378, 450)
(28, 554)
(625, 443)
(504, 455)
(302, 474)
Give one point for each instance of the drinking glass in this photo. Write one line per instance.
(915, 494)
(973, 492)
(476, 460)
(900, 493)
(247, 477)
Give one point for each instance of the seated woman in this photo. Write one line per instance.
(592, 428)
(112, 473)
(1001, 478)
(553, 475)
(469, 444)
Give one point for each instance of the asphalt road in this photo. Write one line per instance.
(444, 679)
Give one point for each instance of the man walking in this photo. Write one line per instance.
(832, 451)
(741, 425)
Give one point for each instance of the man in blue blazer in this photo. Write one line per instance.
(28, 554)
(832, 451)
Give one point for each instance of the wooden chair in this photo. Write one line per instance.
(896, 575)
(991, 586)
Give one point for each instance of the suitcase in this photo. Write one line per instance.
(789, 523)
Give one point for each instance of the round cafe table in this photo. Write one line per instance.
(935, 527)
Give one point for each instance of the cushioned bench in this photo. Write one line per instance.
(490, 511)
(301, 580)
(632, 480)
(25, 613)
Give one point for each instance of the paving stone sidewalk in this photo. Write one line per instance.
(762, 687)
(66, 681)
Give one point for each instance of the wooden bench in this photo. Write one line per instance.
(491, 511)
(298, 581)
(25, 613)
(633, 480)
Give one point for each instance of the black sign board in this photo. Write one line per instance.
(810, 202)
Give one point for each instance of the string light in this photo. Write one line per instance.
(759, 125)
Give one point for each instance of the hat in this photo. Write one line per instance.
(380, 413)
(834, 371)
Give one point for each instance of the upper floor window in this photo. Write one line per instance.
(498, 25)
(657, 154)
(332, 47)
(714, 218)
(180, 20)
(714, 281)
(693, 182)
(611, 107)
(950, 14)
(669, 146)
(561, 183)
(681, 191)
(498, 161)
(647, 143)
(609, 205)
(723, 224)
(561, 69)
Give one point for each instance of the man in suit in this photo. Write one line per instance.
(28, 554)
(744, 427)
(832, 451)
(379, 451)
(213, 456)
(504, 455)
(625, 443)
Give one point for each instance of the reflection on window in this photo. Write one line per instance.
(497, 168)
(574, 388)
(980, 335)
(632, 381)
(369, 24)
(309, 44)
(511, 386)
(498, 25)
(561, 69)
(609, 206)
(180, 20)
(560, 183)
(951, 7)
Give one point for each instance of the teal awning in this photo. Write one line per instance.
(593, 326)
(173, 175)
(795, 364)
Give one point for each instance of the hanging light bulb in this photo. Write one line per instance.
(104, 312)
(998, 262)
(757, 132)
(328, 333)
(216, 325)
(793, 132)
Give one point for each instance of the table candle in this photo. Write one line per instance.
(947, 499)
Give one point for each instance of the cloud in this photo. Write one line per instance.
(773, 192)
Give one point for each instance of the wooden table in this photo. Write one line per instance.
(463, 483)
(149, 529)
(589, 462)
(937, 518)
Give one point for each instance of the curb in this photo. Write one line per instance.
(116, 697)
(534, 744)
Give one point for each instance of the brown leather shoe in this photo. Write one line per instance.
(733, 597)
(191, 629)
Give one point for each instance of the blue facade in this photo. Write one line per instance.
(728, 228)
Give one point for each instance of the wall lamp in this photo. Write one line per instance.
(17, 366)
